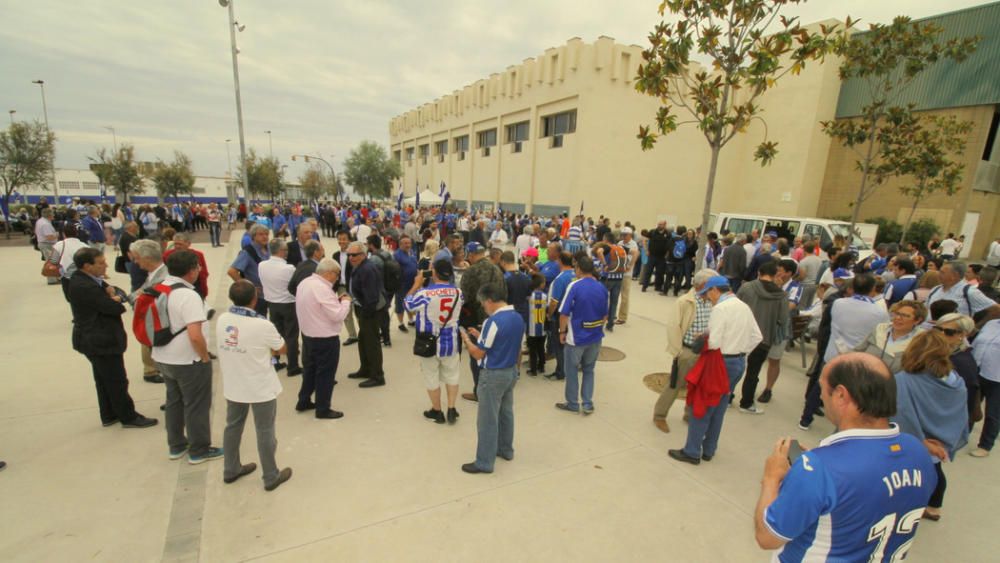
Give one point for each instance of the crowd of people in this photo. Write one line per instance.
(907, 341)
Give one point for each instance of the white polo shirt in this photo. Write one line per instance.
(184, 307)
(275, 273)
(732, 328)
(245, 344)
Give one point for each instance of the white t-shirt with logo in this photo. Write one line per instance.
(184, 307)
(949, 247)
(245, 345)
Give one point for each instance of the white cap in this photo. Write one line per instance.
(627, 230)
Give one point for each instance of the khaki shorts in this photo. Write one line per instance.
(777, 350)
(440, 370)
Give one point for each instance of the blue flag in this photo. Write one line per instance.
(443, 189)
(399, 198)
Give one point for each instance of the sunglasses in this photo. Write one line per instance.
(948, 331)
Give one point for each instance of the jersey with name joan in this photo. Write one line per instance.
(857, 497)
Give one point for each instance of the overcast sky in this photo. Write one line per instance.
(321, 75)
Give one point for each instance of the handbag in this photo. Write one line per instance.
(425, 344)
(120, 264)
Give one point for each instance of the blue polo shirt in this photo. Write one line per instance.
(550, 270)
(245, 264)
(501, 338)
(586, 305)
(557, 289)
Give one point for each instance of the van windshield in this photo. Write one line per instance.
(844, 230)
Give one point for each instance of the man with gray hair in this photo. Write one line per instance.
(320, 314)
(688, 324)
(275, 274)
(247, 261)
(368, 291)
(954, 288)
(47, 237)
(146, 254)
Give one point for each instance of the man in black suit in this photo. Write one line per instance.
(98, 334)
(303, 235)
(313, 252)
(346, 269)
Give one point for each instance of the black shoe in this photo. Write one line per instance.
(350, 341)
(211, 356)
(555, 376)
(246, 469)
(412, 323)
(387, 343)
(644, 290)
(140, 422)
(302, 407)
(280, 366)
(372, 382)
(293, 372)
(765, 396)
(679, 455)
(331, 414)
(154, 378)
(111, 422)
(819, 412)
(707, 457)
(163, 407)
(357, 375)
(471, 468)
(532, 373)
(283, 476)
(436, 416)
(452, 415)
(403, 328)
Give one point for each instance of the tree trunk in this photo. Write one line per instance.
(909, 221)
(864, 176)
(707, 209)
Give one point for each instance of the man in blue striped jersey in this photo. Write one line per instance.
(583, 312)
(437, 307)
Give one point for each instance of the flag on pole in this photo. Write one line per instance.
(581, 207)
(443, 190)
(399, 198)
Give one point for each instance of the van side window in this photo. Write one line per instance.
(743, 226)
(817, 232)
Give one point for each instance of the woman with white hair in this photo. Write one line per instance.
(956, 328)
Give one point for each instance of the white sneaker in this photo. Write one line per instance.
(979, 452)
(752, 409)
(803, 427)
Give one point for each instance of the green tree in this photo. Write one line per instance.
(174, 179)
(745, 64)
(370, 171)
(26, 154)
(315, 182)
(265, 177)
(119, 171)
(887, 59)
(924, 151)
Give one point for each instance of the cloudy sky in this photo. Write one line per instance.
(321, 75)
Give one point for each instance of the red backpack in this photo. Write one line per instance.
(617, 260)
(151, 323)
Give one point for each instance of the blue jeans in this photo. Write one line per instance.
(614, 293)
(703, 433)
(495, 420)
(583, 358)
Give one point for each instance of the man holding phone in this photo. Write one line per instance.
(860, 494)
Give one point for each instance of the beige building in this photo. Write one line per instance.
(560, 129)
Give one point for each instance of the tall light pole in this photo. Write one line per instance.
(12, 112)
(233, 26)
(45, 112)
(229, 161)
(270, 148)
(114, 137)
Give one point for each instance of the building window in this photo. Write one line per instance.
(486, 140)
(991, 137)
(409, 156)
(441, 150)
(461, 146)
(91, 186)
(425, 151)
(397, 156)
(516, 134)
(557, 125)
(63, 185)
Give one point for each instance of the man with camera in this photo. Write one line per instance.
(436, 307)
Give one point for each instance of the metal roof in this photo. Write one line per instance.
(974, 82)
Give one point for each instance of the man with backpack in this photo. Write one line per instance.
(676, 256)
(245, 265)
(180, 351)
(392, 276)
(615, 265)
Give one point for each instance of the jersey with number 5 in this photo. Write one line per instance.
(856, 497)
(437, 308)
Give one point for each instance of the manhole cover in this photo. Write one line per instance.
(655, 382)
(610, 355)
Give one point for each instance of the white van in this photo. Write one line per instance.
(824, 230)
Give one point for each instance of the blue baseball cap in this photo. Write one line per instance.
(474, 247)
(714, 281)
(842, 274)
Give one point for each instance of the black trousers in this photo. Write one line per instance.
(320, 357)
(755, 361)
(370, 344)
(675, 277)
(657, 270)
(536, 353)
(111, 381)
(284, 319)
(383, 325)
(937, 497)
(261, 306)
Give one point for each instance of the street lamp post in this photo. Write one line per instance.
(306, 157)
(270, 148)
(12, 112)
(114, 137)
(45, 112)
(236, 87)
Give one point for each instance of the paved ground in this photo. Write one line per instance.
(384, 485)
